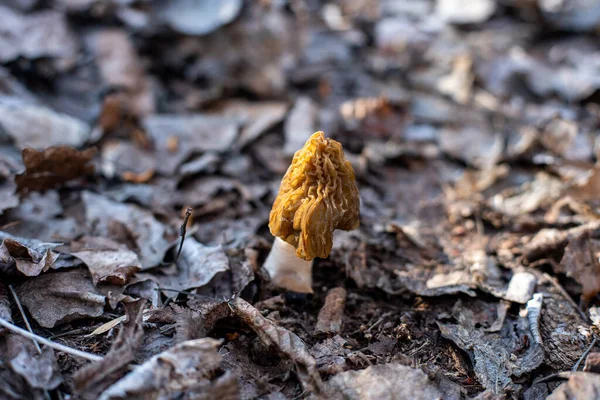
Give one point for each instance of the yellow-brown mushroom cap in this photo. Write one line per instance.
(318, 195)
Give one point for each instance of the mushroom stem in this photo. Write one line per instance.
(287, 270)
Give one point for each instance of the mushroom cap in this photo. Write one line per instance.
(318, 195)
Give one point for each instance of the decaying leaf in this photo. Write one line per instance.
(184, 368)
(94, 378)
(61, 297)
(148, 235)
(53, 166)
(283, 341)
(108, 261)
(30, 256)
(386, 381)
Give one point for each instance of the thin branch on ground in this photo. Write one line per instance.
(46, 342)
(585, 353)
(22, 311)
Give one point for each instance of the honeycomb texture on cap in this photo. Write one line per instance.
(318, 195)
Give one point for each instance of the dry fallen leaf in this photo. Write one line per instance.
(56, 298)
(38, 127)
(187, 367)
(30, 256)
(108, 261)
(386, 381)
(580, 386)
(147, 236)
(196, 266)
(581, 261)
(53, 166)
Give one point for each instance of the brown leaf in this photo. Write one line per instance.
(53, 166)
(283, 341)
(108, 261)
(580, 386)
(330, 316)
(94, 378)
(186, 367)
(53, 299)
(386, 381)
(580, 261)
(30, 256)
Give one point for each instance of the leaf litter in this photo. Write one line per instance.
(473, 131)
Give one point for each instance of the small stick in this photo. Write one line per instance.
(14, 294)
(585, 353)
(46, 342)
(182, 232)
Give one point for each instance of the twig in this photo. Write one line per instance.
(20, 307)
(566, 295)
(46, 342)
(182, 229)
(182, 232)
(585, 353)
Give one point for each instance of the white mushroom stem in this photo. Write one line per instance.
(287, 270)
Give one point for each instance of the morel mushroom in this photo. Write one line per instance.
(317, 195)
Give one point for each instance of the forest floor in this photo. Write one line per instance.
(473, 132)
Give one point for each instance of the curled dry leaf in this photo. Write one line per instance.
(61, 297)
(283, 341)
(182, 368)
(39, 127)
(94, 378)
(53, 166)
(30, 256)
(108, 261)
(385, 381)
